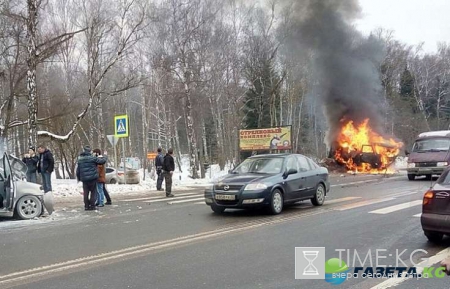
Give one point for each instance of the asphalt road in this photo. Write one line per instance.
(152, 242)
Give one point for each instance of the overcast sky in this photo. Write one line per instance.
(413, 21)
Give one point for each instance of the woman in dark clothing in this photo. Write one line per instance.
(31, 160)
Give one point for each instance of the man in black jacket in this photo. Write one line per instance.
(87, 173)
(45, 167)
(169, 168)
(159, 162)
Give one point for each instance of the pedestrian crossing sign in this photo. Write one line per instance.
(121, 125)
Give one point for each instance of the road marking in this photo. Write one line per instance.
(165, 199)
(186, 201)
(200, 203)
(395, 208)
(353, 183)
(419, 268)
(418, 215)
(403, 194)
(30, 275)
(154, 197)
(363, 203)
(334, 201)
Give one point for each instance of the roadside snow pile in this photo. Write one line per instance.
(401, 163)
(181, 181)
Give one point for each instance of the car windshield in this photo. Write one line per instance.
(260, 166)
(433, 144)
(444, 179)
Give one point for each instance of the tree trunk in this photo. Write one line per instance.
(193, 158)
(31, 71)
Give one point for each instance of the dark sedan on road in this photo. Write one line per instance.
(270, 181)
(435, 217)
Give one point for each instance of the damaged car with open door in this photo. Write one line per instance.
(17, 197)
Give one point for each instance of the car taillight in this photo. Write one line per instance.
(428, 197)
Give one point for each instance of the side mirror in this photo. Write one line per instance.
(290, 172)
(407, 153)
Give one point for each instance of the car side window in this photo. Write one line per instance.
(303, 164)
(292, 163)
(108, 170)
(313, 164)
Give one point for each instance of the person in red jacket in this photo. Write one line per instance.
(101, 180)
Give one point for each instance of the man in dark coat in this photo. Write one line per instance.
(31, 160)
(169, 168)
(87, 173)
(159, 162)
(46, 166)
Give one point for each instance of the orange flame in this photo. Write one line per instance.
(358, 144)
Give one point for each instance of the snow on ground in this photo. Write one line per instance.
(181, 181)
(401, 163)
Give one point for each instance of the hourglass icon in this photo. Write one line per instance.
(310, 256)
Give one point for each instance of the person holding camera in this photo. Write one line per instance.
(31, 160)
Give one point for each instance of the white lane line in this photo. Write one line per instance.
(334, 201)
(418, 215)
(363, 203)
(200, 203)
(185, 201)
(353, 183)
(154, 197)
(426, 263)
(165, 199)
(403, 194)
(395, 208)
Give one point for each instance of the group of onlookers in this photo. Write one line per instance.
(42, 163)
(165, 166)
(92, 172)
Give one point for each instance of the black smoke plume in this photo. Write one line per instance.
(344, 61)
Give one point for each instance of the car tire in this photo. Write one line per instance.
(28, 207)
(276, 202)
(434, 237)
(113, 181)
(216, 209)
(428, 177)
(411, 177)
(319, 196)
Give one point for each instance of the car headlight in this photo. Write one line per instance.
(442, 164)
(411, 165)
(254, 187)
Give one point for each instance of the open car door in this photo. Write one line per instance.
(10, 188)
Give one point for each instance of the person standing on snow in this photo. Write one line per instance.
(87, 173)
(46, 166)
(159, 162)
(31, 160)
(101, 180)
(169, 168)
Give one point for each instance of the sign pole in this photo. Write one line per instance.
(124, 161)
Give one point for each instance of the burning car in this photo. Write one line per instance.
(361, 149)
(18, 197)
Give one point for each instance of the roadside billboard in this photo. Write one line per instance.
(275, 138)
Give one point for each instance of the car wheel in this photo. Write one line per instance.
(411, 177)
(28, 207)
(428, 177)
(216, 209)
(276, 202)
(113, 181)
(434, 237)
(319, 196)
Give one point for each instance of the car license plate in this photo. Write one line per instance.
(225, 197)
